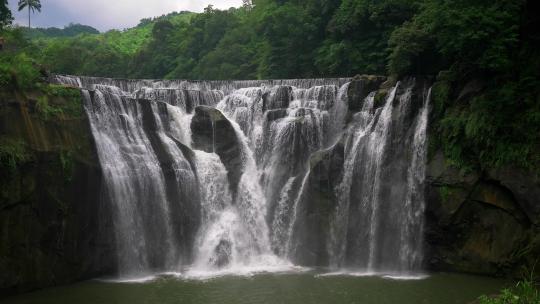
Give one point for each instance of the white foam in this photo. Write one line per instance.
(143, 279)
(407, 277)
(261, 265)
(270, 266)
(391, 276)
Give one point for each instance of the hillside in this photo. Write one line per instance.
(80, 49)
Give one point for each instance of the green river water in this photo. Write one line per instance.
(307, 287)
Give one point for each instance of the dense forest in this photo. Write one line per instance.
(489, 48)
(70, 30)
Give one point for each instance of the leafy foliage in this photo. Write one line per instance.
(71, 30)
(498, 127)
(5, 15)
(524, 292)
(487, 103)
(67, 103)
(13, 153)
(480, 34)
(18, 72)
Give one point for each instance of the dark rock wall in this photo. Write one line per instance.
(212, 132)
(317, 201)
(53, 225)
(484, 223)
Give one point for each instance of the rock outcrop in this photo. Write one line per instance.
(279, 99)
(476, 223)
(213, 132)
(360, 87)
(187, 209)
(52, 224)
(317, 202)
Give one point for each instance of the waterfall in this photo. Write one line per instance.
(220, 177)
(381, 193)
(136, 182)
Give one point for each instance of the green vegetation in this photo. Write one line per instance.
(484, 56)
(68, 101)
(67, 163)
(19, 72)
(486, 102)
(524, 292)
(5, 15)
(72, 30)
(67, 106)
(445, 193)
(13, 153)
(18, 65)
(108, 54)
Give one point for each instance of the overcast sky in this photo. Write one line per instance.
(109, 14)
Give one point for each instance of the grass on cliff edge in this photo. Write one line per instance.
(19, 72)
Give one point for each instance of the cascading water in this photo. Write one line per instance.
(381, 196)
(218, 177)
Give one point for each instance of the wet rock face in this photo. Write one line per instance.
(525, 187)
(52, 228)
(279, 99)
(212, 132)
(317, 203)
(187, 210)
(359, 89)
(477, 224)
(222, 254)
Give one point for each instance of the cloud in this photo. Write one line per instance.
(109, 14)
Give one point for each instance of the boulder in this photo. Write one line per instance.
(212, 132)
(318, 201)
(475, 223)
(278, 99)
(222, 254)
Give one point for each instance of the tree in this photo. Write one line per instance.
(5, 14)
(33, 5)
(247, 4)
(209, 9)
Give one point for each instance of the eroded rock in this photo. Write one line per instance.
(318, 201)
(359, 89)
(212, 132)
(475, 223)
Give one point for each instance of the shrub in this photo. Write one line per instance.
(524, 292)
(18, 72)
(13, 153)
